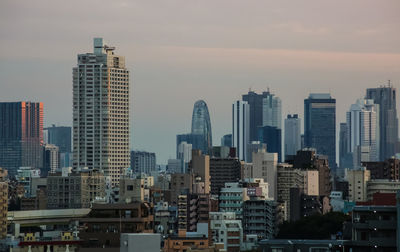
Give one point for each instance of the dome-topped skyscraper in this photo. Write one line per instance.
(201, 125)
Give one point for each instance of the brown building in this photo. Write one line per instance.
(3, 203)
(388, 169)
(200, 167)
(104, 224)
(76, 190)
(183, 244)
(181, 183)
(224, 170)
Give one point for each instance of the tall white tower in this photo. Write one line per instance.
(101, 112)
(241, 128)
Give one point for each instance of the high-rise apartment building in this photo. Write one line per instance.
(385, 97)
(224, 170)
(265, 166)
(292, 135)
(143, 162)
(241, 128)
(101, 111)
(255, 102)
(358, 179)
(21, 135)
(200, 169)
(320, 125)
(60, 136)
(51, 160)
(201, 125)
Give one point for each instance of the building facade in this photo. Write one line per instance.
(101, 112)
(21, 135)
(201, 125)
(385, 97)
(143, 162)
(59, 136)
(292, 135)
(265, 166)
(3, 203)
(241, 128)
(320, 125)
(224, 170)
(358, 179)
(51, 159)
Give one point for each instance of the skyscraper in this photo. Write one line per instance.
(241, 128)
(201, 125)
(255, 102)
(385, 97)
(184, 155)
(320, 125)
(60, 136)
(21, 135)
(226, 140)
(362, 121)
(272, 111)
(101, 111)
(292, 134)
(51, 160)
(272, 137)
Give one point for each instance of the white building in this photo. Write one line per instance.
(185, 155)
(241, 128)
(265, 166)
(51, 158)
(227, 229)
(292, 134)
(101, 112)
(231, 198)
(363, 131)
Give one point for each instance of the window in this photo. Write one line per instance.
(129, 188)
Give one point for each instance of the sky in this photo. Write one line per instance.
(180, 51)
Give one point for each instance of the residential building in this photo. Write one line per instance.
(226, 229)
(358, 179)
(265, 166)
(226, 140)
(201, 125)
(106, 222)
(181, 183)
(388, 169)
(320, 125)
(21, 135)
(3, 203)
(24, 177)
(143, 162)
(101, 112)
(292, 135)
(272, 137)
(381, 186)
(302, 205)
(262, 217)
(51, 159)
(132, 190)
(231, 198)
(241, 128)
(385, 97)
(200, 167)
(224, 170)
(375, 227)
(75, 190)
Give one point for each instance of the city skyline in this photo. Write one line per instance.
(328, 57)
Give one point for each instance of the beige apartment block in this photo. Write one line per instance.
(101, 112)
(358, 184)
(265, 166)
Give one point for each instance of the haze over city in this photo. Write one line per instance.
(181, 51)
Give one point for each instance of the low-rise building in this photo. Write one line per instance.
(75, 190)
(382, 186)
(226, 229)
